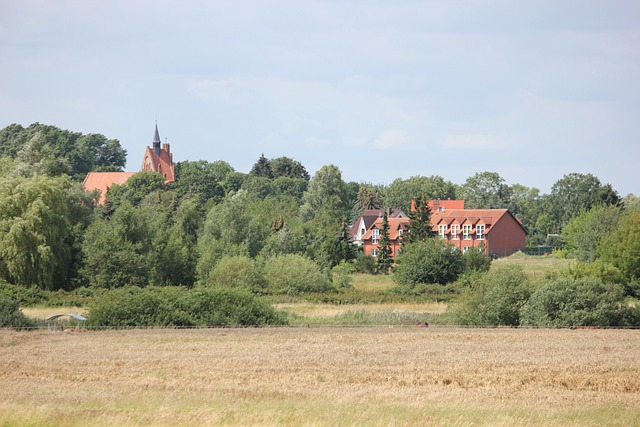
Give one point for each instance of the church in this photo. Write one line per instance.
(157, 158)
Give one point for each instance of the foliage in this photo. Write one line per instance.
(384, 261)
(429, 261)
(35, 231)
(364, 264)
(237, 272)
(11, 316)
(572, 194)
(326, 191)
(495, 298)
(180, 307)
(294, 274)
(418, 229)
(586, 301)
(136, 188)
(584, 232)
(485, 190)
(401, 192)
(476, 260)
(622, 248)
(80, 153)
(202, 179)
(262, 168)
(286, 167)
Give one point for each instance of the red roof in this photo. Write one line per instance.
(488, 217)
(162, 163)
(395, 224)
(103, 180)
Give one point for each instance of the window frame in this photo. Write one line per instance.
(455, 231)
(375, 236)
(480, 231)
(466, 232)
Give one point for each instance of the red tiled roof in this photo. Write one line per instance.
(103, 180)
(395, 224)
(163, 163)
(488, 217)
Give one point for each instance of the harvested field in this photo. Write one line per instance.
(323, 376)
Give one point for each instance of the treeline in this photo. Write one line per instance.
(262, 223)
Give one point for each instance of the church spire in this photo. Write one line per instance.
(156, 141)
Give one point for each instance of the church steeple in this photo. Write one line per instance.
(156, 141)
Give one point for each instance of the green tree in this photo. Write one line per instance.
(262, 168)
(622, 247)
(326, 191)
(384, 248)
(202, 179)
(401, 192)
(485, 190)
(429, 261)
(289, 168)
(35, 230)
(572, 194)
(418, 229)
(579, 302)
(495, 299)
(294, 274)
(583, 233)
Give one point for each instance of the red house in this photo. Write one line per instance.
(498, 231)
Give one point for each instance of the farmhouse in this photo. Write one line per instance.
(157, 158)
(497, 231)
(368, 218)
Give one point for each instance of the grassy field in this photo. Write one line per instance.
(536, 267)
(321, 376)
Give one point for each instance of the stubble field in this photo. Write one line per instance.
(321, 376)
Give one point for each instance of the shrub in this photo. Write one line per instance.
(294, 274)
(236, 272)
(495, 298)
(177, 306)
(475, 259)
(11, 316)
(364, 264)
(429, 261)
(585, 301)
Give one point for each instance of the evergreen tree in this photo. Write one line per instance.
(419, 226)
(262, 168)
(384, 248)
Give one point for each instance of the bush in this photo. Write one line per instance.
(475, 259)
(364, 264)
(22, 294)
(495, 298)
(429, 261)
(177, 306)
(585, 301)
(236, 272)
(11, 316)
(294, 274)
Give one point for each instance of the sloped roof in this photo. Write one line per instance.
(395, 224)
(160, 163)
(371, 215)
(488, 217)
(103, 180)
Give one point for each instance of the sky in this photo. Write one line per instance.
(532, 90)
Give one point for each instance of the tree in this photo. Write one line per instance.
(495, 299)
(136, 188)
(384, 248)
(485, 190)
(287, 167)
(622, 247)
(428, 261)
(35, 231)
(401, 192)
(262, 168)
(418, 229)
(572, 194)
(578, 302)
(294, 275)
(583, 233)
(326, 190)
(202, 179)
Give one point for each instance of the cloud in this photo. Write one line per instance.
(393, 139)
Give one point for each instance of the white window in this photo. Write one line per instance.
(466, 232)
(442, 230)
(374, 253)
(455, 229)
(480, 232)
(375, 235)
(400, 231)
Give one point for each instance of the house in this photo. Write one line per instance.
(371, 238)
(498, 231)
(157, 158)
(101, 181)
(366, 220)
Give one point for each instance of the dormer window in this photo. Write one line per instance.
(442, 230)
(455, 230)
(375, 235)
(480, 232)
(466, 232)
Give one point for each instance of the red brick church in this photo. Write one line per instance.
(157, 158)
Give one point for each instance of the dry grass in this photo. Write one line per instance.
(332, 310)
(325, 376)
(42, 313)
(536, 267)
